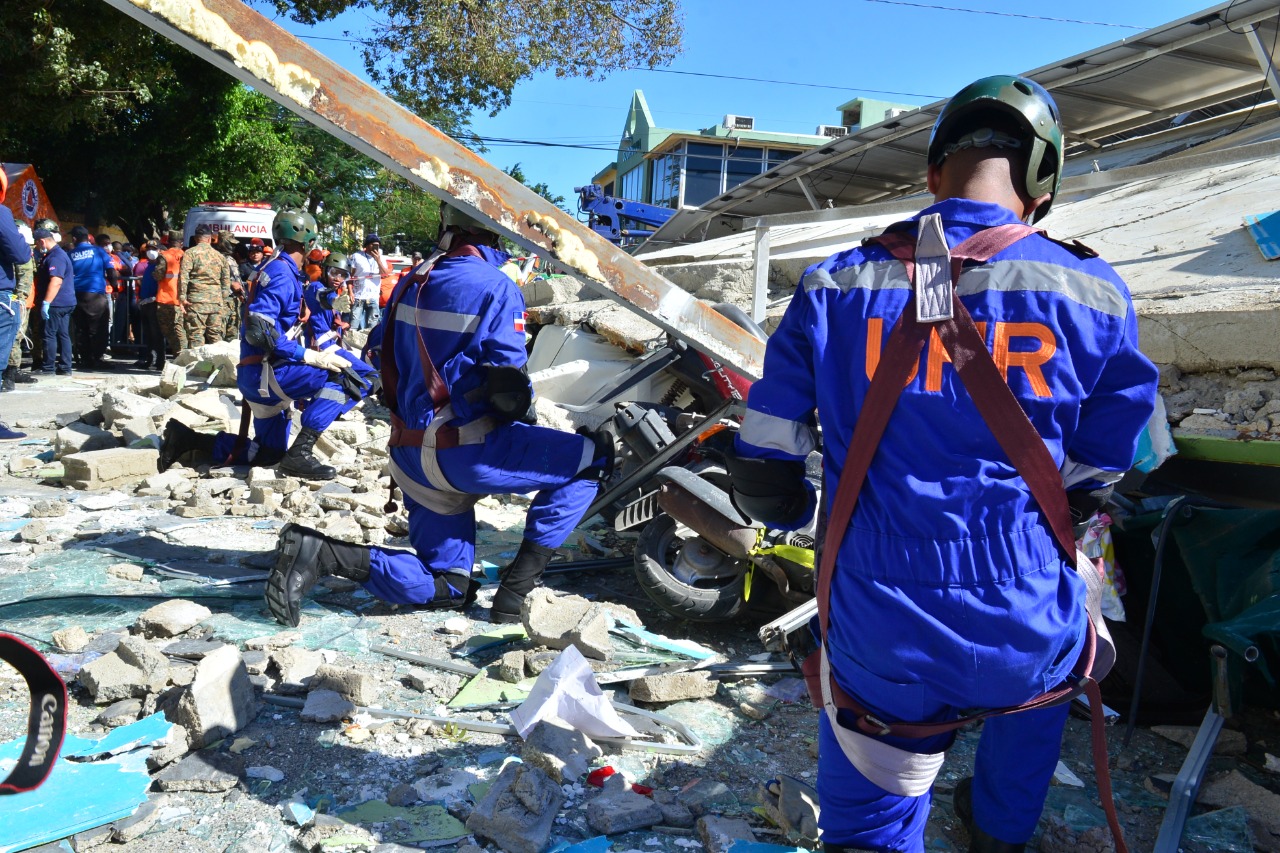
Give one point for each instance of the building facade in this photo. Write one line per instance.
(678, 168)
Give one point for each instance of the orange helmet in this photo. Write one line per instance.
(4, 182)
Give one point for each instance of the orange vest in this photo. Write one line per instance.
(388, 284)
(167, 290)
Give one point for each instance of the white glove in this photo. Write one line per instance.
(330, 361)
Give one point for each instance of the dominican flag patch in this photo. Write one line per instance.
(519, 319)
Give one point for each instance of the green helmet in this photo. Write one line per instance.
(336, 259)
(296, 225)
(48, 225)
(1025, 101)
(452, 217)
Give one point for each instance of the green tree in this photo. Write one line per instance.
(453, 56)
(542, 188)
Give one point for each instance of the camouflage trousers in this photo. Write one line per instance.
(171, 326)
(15, 355)
(204, 322)
(231, 329)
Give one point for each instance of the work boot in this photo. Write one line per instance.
(303, 556)
(23, 377)
(979, 841)
(301, 461)
(517, 579)
(6, 380)
(448, 597)
(183, 444)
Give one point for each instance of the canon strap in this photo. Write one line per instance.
(47, 721)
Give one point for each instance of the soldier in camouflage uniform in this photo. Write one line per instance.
(231, 323)
(203, 287)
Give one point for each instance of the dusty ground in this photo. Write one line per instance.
(752, 730)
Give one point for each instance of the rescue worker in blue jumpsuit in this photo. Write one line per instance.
(277, 369)
(948, 592)
(323, 328)
(453, 368)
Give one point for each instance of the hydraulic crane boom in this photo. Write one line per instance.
(246, 45)
(611, 217)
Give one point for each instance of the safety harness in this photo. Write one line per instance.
(46, 721)
(935, 307)
(443, 497)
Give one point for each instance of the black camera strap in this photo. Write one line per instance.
(47, 721)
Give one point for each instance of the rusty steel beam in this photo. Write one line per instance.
(246, 45)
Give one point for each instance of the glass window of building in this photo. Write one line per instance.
(703, 173)
(743, 164)
(631, 185)
(776, 157)
(664, 179)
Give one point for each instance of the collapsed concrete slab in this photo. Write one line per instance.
(519, 810)
(106, 469)
(81, 438)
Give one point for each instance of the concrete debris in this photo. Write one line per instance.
(171, 618)
(177, 745)
(562, 753)
(718, 834)
(132, 827)
(674, 812)
(119, 714)
(121, 405)
(403, 794)
(707, 795)
(326, 706)
(271, 774)
(329, 833)
(208, 771)
(360, 687)
(560, 621)
(103, 469)
(615, 811)
(173, 378)
(71, 639)
(81, 438)
(220, 700)
(110, 678)
(1234, 789)
(518, 812)
(48, 509)
(1230, 741)
(511, 667)
(295, 668)
(193, 649)
(125, 571)
(673, 687)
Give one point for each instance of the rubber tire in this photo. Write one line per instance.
(697, 604)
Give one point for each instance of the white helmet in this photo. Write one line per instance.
(25, 230)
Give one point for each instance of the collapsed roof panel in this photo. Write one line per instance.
(1193, 63)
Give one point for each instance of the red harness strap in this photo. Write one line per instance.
(1017, 437)
(401, 435)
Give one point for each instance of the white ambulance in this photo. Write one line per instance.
(244, 220)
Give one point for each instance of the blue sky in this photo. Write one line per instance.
(841, 49)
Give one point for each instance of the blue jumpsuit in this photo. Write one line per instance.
(270, 383)
(949, 593)
(321, 331)
(469, 314)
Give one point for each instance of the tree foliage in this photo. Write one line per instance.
(453, 56)
(542, 188)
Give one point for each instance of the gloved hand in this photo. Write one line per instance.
(330, 361)
(44, 310)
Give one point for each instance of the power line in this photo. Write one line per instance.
(787, 82)
(1003, 15)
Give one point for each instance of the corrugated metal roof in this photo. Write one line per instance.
(1206, 61)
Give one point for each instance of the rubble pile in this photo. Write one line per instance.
(1241, 403)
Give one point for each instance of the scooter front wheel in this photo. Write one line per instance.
(714, 598)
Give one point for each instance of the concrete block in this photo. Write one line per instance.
(136, 824)
(171, 618)
(48, 509)
(518, 812)
(136, 651)
(326, 706)
(360, 687)
(296, 668)
(219, 701)
(81, 437)
(673, 687)
(511, 667)
(125, 571)
(205, 772)
(560, 621)
(674, 813)
(718, 834)
(213, 405)
(120, 713)
(622, 811)
(110, 679)
(119, 405)
(71, 639)
(552, 291)
(562, 753)
(174, 747)
(102, 469)
(173, 378)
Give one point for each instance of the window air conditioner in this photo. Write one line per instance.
(832, 131)
(733, 122)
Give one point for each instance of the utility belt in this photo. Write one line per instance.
(442, 496)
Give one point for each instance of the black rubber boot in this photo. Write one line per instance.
(517, 579)
(301, 461)
(303, 556)
(6, 380)
(979, 841)
(183, 444)
(446, 595)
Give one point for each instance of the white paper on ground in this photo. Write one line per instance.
(567, 691)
